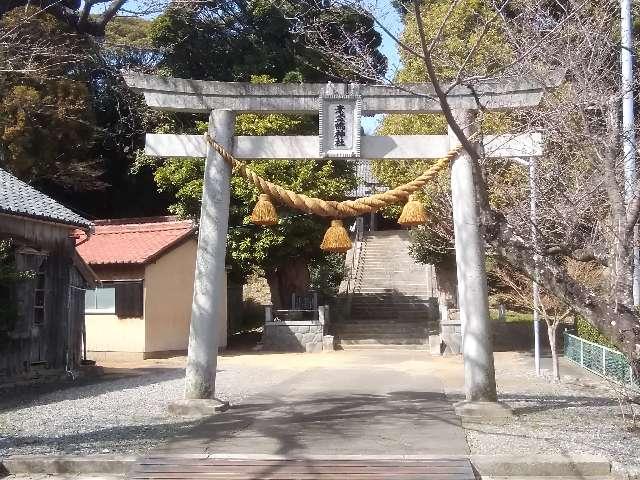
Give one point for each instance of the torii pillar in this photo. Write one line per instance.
(222, 99)
(209, 297)
(473, 300)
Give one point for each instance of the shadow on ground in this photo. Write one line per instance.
(344, 424)
(113, 379)
(340, 424)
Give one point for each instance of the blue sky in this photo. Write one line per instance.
(392, 22)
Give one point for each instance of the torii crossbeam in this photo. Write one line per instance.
(222, 100)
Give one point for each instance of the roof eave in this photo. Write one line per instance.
(86, 227)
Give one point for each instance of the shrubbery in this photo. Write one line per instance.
(587, 331)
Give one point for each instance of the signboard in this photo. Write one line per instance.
(340, 126)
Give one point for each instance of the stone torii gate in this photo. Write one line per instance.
(221, 100)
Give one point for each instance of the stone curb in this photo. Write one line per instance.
(486, 465)
(625, 472)
(541, 465)
(68, 464)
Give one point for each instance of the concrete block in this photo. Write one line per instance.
(481, 411)
(435, 345)
(451, 336)
(197, 407)
(541, 465)
(328, 344)
(313, 347)
(68, 464)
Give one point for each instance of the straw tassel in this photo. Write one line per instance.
(413, 213)
(336, 239)
(264, 213)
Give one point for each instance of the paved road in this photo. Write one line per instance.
(376, 403)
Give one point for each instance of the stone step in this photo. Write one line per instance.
(397, 300)
(385, 272)
(374, 323)
(401, 302)
(400, 295)
(391, 289)
(390, 267)
(407, 305)
(394, 326)
(418, 330)
(388, 294)
(360, 346)
(379, 258)
(390, 308)
(385, 322)
(390, 312)
(365, 331)
(393, 318)
(389, 251)
(384, 340)
(382, 320)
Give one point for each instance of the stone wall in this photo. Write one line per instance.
(300, 336)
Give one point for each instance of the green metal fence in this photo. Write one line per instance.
(600, 360)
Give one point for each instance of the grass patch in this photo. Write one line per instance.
(512, 316)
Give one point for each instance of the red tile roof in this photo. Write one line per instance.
(133, 241)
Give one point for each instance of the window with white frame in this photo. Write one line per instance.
(100, 300)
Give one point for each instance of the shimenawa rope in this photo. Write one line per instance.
(333, 209)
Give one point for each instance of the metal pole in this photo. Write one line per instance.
(534, 240)
(628, 126)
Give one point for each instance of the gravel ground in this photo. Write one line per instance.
(579, 415)
(122, 412)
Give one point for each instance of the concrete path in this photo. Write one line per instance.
(374, 403)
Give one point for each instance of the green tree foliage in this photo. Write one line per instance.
(68, 123)
(128, 45)
(232, 40)
(46, 119)
(586, 330)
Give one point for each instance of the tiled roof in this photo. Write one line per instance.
(18, 198)
(133, 241)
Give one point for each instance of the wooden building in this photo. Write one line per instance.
(42, 284)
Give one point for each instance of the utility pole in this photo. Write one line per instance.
(530, 165)
(534, 240)
(628, 128)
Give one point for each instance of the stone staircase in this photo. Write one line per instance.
(392, 304)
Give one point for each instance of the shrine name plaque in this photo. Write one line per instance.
(340, 126)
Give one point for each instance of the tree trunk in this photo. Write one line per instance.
(621, 281)
(284, 280)
(552, 328)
